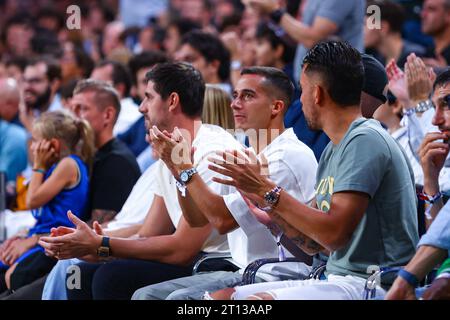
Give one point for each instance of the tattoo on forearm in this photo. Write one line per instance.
(301, 240)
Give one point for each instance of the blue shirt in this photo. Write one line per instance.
(13, 149)
(54, 213)
(438, 234)
(295, 118)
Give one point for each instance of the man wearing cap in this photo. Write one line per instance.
(365, 204)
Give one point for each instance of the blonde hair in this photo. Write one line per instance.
(217, 107)
(75, 133)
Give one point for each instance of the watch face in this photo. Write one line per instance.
(184, 176)
(271, 198)
(103, 252)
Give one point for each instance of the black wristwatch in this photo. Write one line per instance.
(104, 251)
(276, 15)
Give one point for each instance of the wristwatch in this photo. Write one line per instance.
(421, 107)
(271, 198)
(185, 177)
(104, 251)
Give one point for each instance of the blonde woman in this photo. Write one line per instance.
(217, 107)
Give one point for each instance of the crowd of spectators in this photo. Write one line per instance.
(95, 95)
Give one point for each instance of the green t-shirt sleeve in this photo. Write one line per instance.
(363, 164)
(445, 267)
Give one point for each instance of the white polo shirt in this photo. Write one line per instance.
(208, 140)
(293, 166)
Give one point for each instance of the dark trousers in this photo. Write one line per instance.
(33, 267)
(119, 279)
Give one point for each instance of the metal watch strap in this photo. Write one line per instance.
(423, 106)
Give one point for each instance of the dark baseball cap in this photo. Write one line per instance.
(375, 77)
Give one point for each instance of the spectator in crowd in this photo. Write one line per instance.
(259, 101)
(15, 67)
(272, 49)
(433, 247)
(134, 137)
(115, 170)
(351, 198)
(169, 247)
(13, 149)
(62, 151)
(113, 45)
(413, 88)
(387, 40)
(75, 63)
(118, 75)
(174, 32)
(436, 23)
(13, 137)
(207, 53)
(320, 21)
(42, 79)
(9, 105)
(216, 108)
(17, 34)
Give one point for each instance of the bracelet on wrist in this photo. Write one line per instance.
(39, 170)
(423, 106)
(430, 200)
(408, 277)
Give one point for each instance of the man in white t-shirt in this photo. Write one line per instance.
(168, 246)
(260, 98)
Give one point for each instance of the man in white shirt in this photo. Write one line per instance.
(261, 97)
(168, 246)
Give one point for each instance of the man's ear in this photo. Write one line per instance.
(109, 115)
(278, 107)
(319, 95)
(174, 101)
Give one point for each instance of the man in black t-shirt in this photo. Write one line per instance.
(115, 170)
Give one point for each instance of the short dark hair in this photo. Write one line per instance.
(120, 74)
(53, 67)
(276, 37)
(182, 78)
(442, 78)
(341, 69)
(211, 48)
(391, 12)
(276, 82)
(145, 59)
(105, 94)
